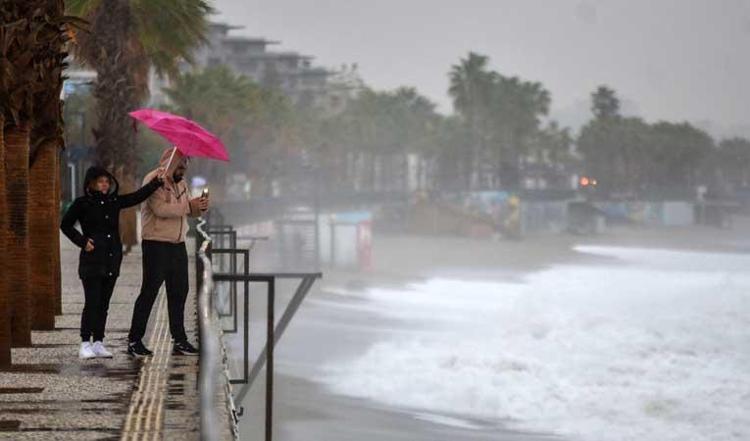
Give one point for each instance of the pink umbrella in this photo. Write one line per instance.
(187, 136)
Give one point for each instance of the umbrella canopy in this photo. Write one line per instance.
(187, 136)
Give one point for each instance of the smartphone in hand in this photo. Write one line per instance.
(204, 200)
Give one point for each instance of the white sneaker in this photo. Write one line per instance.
(100, 351)
(86, 351)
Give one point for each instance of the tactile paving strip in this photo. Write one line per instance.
(145, 415)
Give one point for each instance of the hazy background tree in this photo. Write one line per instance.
(733, 162)
(516, 111)
(552, 155)
(377, 131)
(470, 85)
(675, 159)
(222, 102)
(255, 123)
(604, 103)
(631, 158)
(502, 114)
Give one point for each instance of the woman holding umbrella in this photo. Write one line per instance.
(98, 212)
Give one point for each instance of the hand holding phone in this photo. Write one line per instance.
(203, 205)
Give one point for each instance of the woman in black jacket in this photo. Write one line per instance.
(98, 212)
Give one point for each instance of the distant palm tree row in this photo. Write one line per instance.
(635, 159)
(625, 156)
(366, 146)
(499, 137)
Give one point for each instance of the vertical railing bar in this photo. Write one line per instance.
(246, 307)
(269, 364)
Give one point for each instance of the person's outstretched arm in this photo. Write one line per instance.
(140, 195)
(68, 225)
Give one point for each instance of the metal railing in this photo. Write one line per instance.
(211, 333)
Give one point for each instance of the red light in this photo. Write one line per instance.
(584, 181)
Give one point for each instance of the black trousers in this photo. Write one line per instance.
(163, 262)
(98, 292)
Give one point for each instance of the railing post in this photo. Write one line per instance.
(246, 307)
(269, 361)
(198, 263)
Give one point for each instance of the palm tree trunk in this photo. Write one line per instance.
(17, 231)
(43, 203)
(129, 226)
(44, 208)
(128, 221)
(5, 335)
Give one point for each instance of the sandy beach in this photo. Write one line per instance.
(337, 324)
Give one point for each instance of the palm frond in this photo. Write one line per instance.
(170, 30)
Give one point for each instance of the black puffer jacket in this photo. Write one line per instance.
(99, 216)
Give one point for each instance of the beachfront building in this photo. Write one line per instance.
(288, 71)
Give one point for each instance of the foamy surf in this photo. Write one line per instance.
(653, 346)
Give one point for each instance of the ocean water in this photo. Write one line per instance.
(651, 345)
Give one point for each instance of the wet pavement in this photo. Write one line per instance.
(49, 394)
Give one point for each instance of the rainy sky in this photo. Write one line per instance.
(668, 59)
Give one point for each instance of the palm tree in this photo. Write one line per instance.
(17, 266)
(470, 85)
(604, 103)
(31, 36)
(469, 82)
(125, 40)
(414, 120)
(44, 199)
(16, 99)
(516, 109)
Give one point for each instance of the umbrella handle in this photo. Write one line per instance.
(169, 163)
